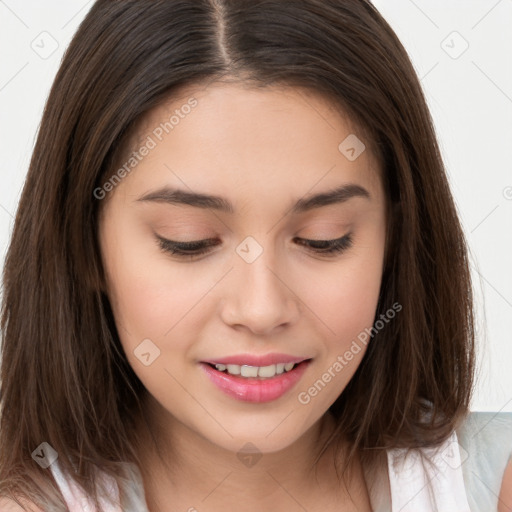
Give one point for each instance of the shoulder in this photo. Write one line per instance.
(505, 498)
(9, 505)
(485, 442)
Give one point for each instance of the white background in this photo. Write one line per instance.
(469, 93)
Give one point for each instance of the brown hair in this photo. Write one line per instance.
(64, 376)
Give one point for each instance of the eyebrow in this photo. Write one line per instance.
(183, 197)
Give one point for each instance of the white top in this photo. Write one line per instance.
(466, 476)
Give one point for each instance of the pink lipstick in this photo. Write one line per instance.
(257, 379)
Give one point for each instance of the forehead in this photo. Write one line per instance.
(259, 139)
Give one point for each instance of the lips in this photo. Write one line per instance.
(250, 386)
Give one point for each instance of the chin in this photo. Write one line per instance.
(262, 434)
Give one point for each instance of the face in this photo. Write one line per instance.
(267, 274)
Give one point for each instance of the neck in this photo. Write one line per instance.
(181, 468)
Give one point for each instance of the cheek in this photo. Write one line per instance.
(150, 296)
(345, 299)
(345, 306)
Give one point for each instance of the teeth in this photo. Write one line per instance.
(265, 372)
(249, 371)
(233, 369)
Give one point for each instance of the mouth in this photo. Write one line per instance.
(256, 383)
(255, 372)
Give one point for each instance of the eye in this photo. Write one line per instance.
(198, 247)
(183, 249)
(336, 246)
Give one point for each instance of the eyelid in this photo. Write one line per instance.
(189, 244)
(332, 247)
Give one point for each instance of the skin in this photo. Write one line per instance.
(505, 498)
(288, 300)
(262, 150)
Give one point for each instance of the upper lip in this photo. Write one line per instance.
(257, 360)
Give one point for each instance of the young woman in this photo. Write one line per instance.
(237, 279)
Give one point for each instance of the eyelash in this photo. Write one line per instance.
(199, 247)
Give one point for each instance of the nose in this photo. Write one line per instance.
(260, 297)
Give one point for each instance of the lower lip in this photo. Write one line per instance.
(254, 389)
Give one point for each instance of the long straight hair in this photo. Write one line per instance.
(65, 379)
